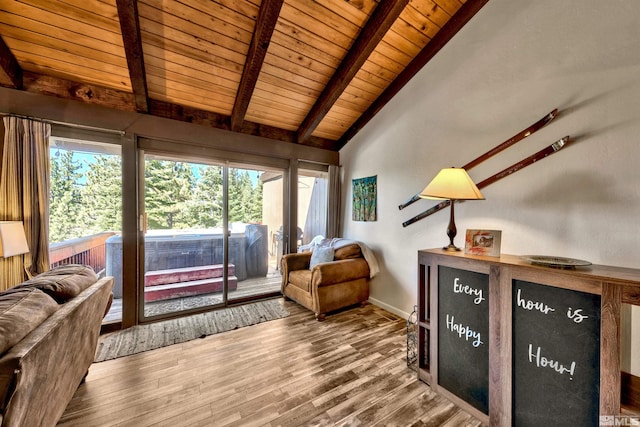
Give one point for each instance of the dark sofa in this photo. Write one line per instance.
(49, 329)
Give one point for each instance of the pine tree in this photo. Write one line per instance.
(65, 197)
(168, 188)
(206, 204)
(184, 180)
(102, 195)
(256, 203)
(245, 199)
(177, 195)
(237, 205)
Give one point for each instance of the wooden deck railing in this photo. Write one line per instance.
(88, 250)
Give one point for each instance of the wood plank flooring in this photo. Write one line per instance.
(349, 370)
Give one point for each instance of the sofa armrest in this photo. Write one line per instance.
(344, 270)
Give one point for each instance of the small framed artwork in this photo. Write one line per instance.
(365, 199)
(483, 242)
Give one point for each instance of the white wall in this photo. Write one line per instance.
(514, 62)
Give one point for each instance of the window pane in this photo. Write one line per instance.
(312, 204)
(256, 214)
(184, 239)
(85, 209)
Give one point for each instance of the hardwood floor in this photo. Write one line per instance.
(349, 370)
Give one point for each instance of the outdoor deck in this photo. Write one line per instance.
(246, 288)
(92, 250)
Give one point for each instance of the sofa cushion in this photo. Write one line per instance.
(321, 254)
(21, 311)
(349, 251)
(301, 279)
(64, 282)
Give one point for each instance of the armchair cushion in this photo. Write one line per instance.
(348, 252)
(301, 279)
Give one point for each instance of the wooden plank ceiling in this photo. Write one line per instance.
(302, 71)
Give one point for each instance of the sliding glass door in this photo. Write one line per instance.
(211, 225)
(207, 228)
(256, 221)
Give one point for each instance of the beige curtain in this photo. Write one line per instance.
(333, 214)
(24, 195)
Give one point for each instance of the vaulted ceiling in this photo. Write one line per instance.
(311, 72)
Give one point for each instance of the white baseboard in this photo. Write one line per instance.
(389, 308)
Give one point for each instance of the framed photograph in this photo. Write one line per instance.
(483, 242)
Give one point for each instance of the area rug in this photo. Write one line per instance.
(160, 334)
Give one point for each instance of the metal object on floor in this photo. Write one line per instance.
(412, 339)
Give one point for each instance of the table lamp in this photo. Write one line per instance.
(12, 239)
(452, 184)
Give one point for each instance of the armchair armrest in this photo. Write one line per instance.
(297, 261)
(292, 262)
(339, 271)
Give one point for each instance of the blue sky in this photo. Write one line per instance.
(86, 159)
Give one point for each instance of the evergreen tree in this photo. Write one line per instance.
(102, 195)
(184, 180)
(237, 196)
(168, 188)
(65, 198)
(177, 195)
(245, 200)
(205, 206)
(246, 194)
(256, 203)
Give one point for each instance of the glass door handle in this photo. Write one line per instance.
(143, 223)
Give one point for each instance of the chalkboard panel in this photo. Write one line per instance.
(556, 356)
(463, 335)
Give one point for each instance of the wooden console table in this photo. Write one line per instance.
(521, 344)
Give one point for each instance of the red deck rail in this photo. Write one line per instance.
(88, 250)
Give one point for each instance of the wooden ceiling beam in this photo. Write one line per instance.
(265, 24)
(442, 37)
(83, 92)
(124, 101)
(130, 28)
(10, 70)
(383, 17)
(221, 121)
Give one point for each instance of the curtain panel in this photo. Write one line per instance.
(333, 210)
(24, 195)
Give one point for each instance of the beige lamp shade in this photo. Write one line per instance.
(12, 239)
(452, 184)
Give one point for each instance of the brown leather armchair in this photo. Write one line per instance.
(327, 286)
